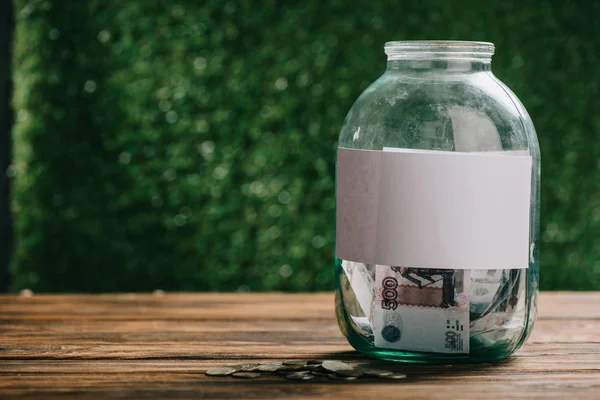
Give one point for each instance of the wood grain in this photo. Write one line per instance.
(145, 346)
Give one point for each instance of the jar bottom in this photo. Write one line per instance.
(352, 324)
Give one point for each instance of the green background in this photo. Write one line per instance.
(191, 145)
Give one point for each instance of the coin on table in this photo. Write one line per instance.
(342, 378)
(248, 367)
(334, 366)
(393, 376)
(377, 373)
(290, 368)
(246, 375)
(269, 367)
(320, 373)
(350, 372)
(299, 376)
(221, 371)
(294, 362)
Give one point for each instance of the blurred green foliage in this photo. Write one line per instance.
(191, 145)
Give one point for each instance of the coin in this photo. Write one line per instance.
(248, 367)
(269, 367)
(342, 378)
(334, 366)
(350, 372)
(313, 367)
(319, 373)
(246, 375)
(294, 362)
(290, 368)
(299, 376)
(393, 376)
(220, 371)
(377, 373)
(314, 362)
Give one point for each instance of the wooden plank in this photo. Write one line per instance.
(558, 305)
(134, 346)
(570, 305)
(163, 340)
(185, 379)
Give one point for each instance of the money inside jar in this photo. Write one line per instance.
(431, 310)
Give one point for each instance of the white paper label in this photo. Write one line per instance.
(432, 209)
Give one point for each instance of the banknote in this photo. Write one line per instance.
(360, 276)
(421, 309)
(485, 286)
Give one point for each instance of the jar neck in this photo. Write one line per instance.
(449, 65)
(439, 56)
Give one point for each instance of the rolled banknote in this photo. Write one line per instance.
(485, 284)
(360, 277)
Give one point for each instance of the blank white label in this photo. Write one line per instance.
(433, 209)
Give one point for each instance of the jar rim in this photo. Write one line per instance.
(438, 48)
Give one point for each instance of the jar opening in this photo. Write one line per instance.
(439, 49)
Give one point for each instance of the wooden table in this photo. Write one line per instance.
(158, 346)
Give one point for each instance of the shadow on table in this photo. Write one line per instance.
(371, 370)
(421, 370)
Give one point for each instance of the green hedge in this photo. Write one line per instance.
(191, 145)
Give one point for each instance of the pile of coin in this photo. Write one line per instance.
(303, 370)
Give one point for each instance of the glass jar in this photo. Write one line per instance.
(437, 227)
